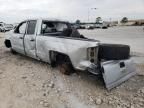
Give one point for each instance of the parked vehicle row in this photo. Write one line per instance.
(91, 26)
(5, 27)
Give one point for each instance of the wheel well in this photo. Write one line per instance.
(59, 58)
(8, 43)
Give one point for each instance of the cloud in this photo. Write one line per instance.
(17, 10)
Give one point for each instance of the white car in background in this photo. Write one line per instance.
(2, 28)
(5, 27)
(102, 25)
(8, 27)
(90, 26)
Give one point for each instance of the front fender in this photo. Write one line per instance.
(8, 35)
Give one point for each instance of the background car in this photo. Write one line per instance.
(90, 26)
(2, 29)
(8, 27)
(102, 25)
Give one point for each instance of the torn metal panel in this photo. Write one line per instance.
(116, 72)
(76, 49)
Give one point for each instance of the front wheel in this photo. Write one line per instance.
(7, 43)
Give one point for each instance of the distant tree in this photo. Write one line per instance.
(78, 21)
(124, 20)
(98, 19)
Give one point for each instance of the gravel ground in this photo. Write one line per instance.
(28, 83)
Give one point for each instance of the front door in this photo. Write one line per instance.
(30, 39)
(17, 40)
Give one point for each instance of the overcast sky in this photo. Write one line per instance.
(12, 11)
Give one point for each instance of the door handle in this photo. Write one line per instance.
(20, 37)
(32, 40)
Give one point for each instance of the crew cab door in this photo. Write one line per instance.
(17, 38)
(30, 39)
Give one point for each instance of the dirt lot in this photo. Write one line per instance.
(27, 83)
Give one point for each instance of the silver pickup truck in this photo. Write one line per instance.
(59, 44)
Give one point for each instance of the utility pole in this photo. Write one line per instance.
(89, 12)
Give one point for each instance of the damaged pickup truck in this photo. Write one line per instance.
(57, 43)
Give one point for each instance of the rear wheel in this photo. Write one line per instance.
(62, 61)
(64, 64)
(65, 68)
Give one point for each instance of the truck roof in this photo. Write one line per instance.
(48, 19)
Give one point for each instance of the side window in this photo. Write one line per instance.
(48, 27)
(31, 27)
(61, 26)
(53, 28)
(21, 28)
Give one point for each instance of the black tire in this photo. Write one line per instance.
(7, 43)
(113, 52)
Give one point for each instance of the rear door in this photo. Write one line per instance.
(17, 38)
(30, 39)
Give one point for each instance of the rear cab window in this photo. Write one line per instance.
(52, 28)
